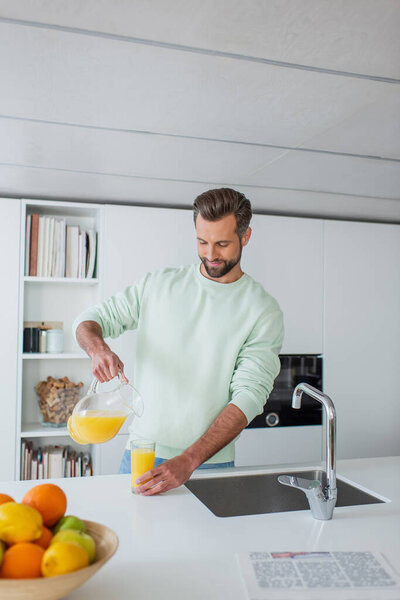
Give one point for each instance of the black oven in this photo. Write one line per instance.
(278, 411)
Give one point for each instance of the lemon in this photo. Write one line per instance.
(63, 557)
(79, 537)
(19, 523)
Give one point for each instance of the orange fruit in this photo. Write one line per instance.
(49, 499)
(22, 561)
(45, 538)
(6, 498)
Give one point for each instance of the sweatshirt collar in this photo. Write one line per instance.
(216, 285)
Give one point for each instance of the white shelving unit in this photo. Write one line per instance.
(54, 299)
(65, 280)
(48, 356)
(33, 430)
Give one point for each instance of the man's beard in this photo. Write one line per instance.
(223, 268)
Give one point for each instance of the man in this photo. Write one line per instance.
(207, 349)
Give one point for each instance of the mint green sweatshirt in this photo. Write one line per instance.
(200, 345)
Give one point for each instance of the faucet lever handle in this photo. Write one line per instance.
(311, 487)
(301, 483)
(321, 506)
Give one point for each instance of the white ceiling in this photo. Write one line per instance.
(294, 102)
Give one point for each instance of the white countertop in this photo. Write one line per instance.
(172, 547)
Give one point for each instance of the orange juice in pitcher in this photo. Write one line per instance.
(95, 426)
(98, 417)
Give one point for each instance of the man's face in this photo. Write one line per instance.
(219, 246)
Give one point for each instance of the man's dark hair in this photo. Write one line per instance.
(215, 204)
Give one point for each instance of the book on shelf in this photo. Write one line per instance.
(72, 251)
(22, 460)
(28, 227)
(53, 462)
(55, 249)
(34, 465)
(28, 451)
(87, 469)
(33, 247)
(40, 247)
(58, 269)
(46, 244)
(50, 249)
(92, 253)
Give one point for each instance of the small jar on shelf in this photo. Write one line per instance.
(55, 341)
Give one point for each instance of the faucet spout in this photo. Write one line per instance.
(322, 502)
(330, 423)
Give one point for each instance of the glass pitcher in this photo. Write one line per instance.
(99, 416)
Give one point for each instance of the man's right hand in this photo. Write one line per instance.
(106, 365)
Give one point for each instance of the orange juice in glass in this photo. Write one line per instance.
(142, 459)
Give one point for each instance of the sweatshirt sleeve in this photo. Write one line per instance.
(258, 364)
(117, 313)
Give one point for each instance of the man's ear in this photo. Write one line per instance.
(246, 236)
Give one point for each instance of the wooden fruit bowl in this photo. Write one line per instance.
(52, 588)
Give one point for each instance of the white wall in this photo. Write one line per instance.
(9, 282)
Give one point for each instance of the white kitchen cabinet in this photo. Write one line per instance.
(285, 254)
(139, 240)
(362, 335)
(279, 445)
(9, 267)
(142, 239)
(111, 454)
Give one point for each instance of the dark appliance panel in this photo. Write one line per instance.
(278, 411)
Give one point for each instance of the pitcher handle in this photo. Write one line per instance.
(93, 386)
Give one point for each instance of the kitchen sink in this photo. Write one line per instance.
(238, 495)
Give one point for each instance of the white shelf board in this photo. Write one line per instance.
(39, 430)
(69, 280)
(48, 355)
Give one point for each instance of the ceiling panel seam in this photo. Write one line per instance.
(199, 138)
(335, 125)
(195, 181)
(195, 50)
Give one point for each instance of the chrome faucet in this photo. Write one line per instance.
(321, 501)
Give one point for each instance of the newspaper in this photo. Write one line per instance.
(309, 575)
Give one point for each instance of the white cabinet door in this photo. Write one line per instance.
(138, 240)
(285, 254)
(362, 335)
(142, 239)
(9, 298)
(111, 455)
(279, 445)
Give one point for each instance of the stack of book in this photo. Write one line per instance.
(53, 462)
(55, 249)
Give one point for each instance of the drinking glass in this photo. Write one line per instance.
(142, 459)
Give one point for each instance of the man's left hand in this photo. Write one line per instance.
(170, 474)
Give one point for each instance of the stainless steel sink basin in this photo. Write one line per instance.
(238, 495)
